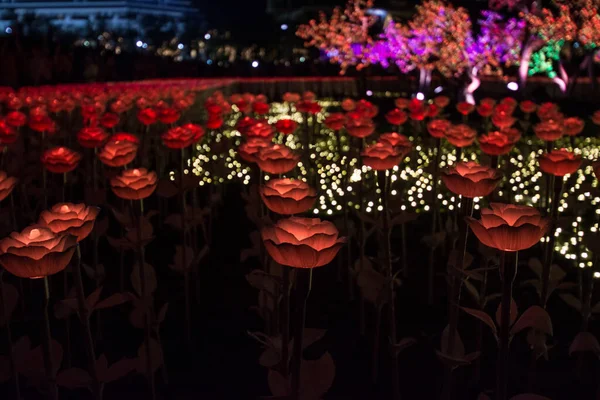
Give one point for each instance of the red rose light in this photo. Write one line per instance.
(109, 120)
(573, 126)
(286, 126)
(261, 129)
(276, 159)
(118, 153)
(289, 97)
(395, 139)
(40, 122)
(68, 218)
(488, 101)
(244, 124)
(7, 184)
(8, 135)
(124, 136)
(461, 135)
(147, 116)
(548, 130)
(367, 109)
(168, 115)
(396, 117)
(309, 96)
(335, 121)
(16, 119)
(470, 179)
(547, 111)
(509, 102)
(432, 111)
(503, 120)
(360, 128)
(60, 160)
(382, 155)
(92, 137)
(288, 197)
(249, 150)
(465, 108)
(181, 137)
(441, 101)
(348, 105)
(214, 122)
(308, 107)
(260, 108)
(302, 242)
(559, 162)
(596, 117)
(417, 110)
(438, 128)
(402, 103)
(528, 106)
(36, 252)
(134, 184)
(498, 143)
(509, 227)
(485, 110)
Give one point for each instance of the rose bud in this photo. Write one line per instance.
(509, 227)
(470, 179)
(118, 153)
(214, 122)
(288, 197)
(485, 110)
(60, 160)
(134, 184)
(36, 252)
(559, 162)
(302, 242)
(68, 218)
(8, 134)
(289, 97)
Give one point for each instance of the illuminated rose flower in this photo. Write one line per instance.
(470, 179)
(438, 128)
(548, 130)
(547, 111)
(91, 111)
(109, 120)
(244, 124)
(503, 120)
(573, 126)
(92, 137)
(290, 97)
(134, 184)
(309, 96)
(460, 135)
(147, 116)
(382, 155)
(260, 108)
(465, 108)
(179, 137)
(348, 104)
(8, 135)
(308, 107)
(360, 128)
(559, 162)
(528, 106)
(498, 143)
(168, 115)
(510, 102)
(367, 109)
(118, 153)
(120, 106)
(432, 111)
(261, 129)
(124, 136)
(402, 103)
(396, 117)
(509, 227)
(287, 196)
(485, 110)
(214, 122)
(196, 129)
(417, 110)
(40, 122)
(286, 126)
(68, 218)
(596, 117)
(441, 101)
(395, 139)
(7, 184)
(213, 109)
(60, 160)
(302, 242)
(14, 103)
(16, 119)
(36, 252)
(277, 159)
(250, 148)
(488, 101)
(335, 121)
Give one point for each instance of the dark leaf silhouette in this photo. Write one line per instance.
(11, 298)
(483, 317)
(534, 317)
(149, 278)
(166, 189)
(156, 355)
(112, 301)
(513, 312)
(585, 341)
(571, 301)
(74, 378)
(316, 377)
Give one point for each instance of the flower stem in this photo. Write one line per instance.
(303, 287)
(549, 250)
(6, 318)
(285, 322)
(84, 317)
(47, 345)
(186, 272)
(508, 269)
(431, 266)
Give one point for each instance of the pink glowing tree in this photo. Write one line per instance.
(343, 36)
